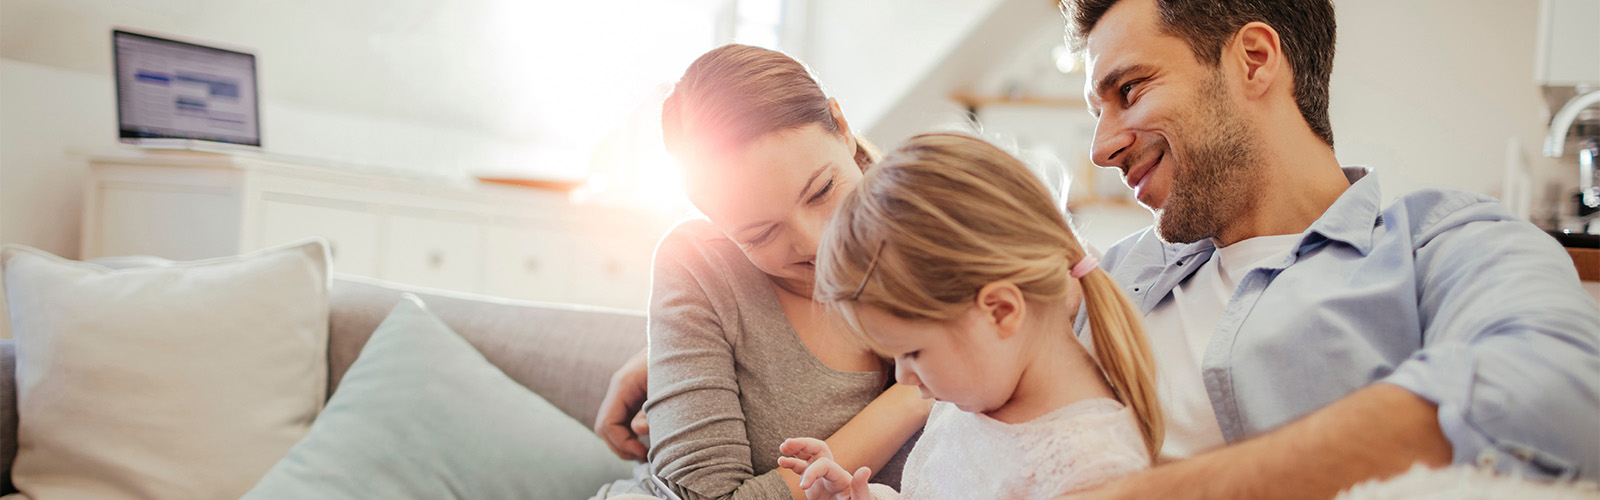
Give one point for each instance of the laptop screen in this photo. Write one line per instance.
(167, 89)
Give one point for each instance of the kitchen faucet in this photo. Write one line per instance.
(1555, 145)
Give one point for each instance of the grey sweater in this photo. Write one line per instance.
(730, 379)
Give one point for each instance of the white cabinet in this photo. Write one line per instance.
(434, 253)
(1569, 45)
(430, 232)
(528, 263)
(352, 234)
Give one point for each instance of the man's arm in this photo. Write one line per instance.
(1377, 432)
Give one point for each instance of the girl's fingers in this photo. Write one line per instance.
(805, 448)
(858, 484)
(833, 476)
(795, 465)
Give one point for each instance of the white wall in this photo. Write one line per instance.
(441, 88)
(1429, 91)
(869, 53)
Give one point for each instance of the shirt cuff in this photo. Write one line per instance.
(1446, 376)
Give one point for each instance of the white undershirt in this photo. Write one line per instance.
(1180, 330)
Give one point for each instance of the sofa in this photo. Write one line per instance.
(564, 353)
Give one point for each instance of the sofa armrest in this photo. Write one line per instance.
(8, 413)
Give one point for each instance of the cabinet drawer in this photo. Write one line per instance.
(613, 272)
(434, 253)
(531, 263)
(352, 235)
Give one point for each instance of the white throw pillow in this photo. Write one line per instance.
(183, 381)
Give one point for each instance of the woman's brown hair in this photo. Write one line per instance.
(947, 214)
(736, 93)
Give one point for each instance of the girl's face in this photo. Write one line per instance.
(971, 360)
(774, 197)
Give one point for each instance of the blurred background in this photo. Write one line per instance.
(377, 117)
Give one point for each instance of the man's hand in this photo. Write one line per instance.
(620, 423)
(820, 476)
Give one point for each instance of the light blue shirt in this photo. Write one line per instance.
(1444, 293)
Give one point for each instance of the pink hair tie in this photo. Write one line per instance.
(1083, 267)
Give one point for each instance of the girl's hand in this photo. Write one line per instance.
(820, 476)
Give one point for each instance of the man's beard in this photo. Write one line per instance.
(1215, 182)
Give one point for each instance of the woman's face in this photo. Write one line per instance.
(774, 197)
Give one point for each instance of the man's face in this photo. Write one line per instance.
(1170, 124)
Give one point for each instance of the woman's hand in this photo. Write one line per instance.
(620, 423)
(820, 476)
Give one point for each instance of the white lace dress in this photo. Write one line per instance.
(968, 455)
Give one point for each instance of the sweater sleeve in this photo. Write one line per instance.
(697, 423)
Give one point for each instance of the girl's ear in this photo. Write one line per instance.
(1002, 306)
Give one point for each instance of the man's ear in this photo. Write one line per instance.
(1258, 51)
(1002, 305)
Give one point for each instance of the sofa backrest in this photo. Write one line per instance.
(564, 353)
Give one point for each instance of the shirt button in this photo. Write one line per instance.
(1487, 459)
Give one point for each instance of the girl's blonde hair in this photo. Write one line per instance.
(946, 214)
(736, 93)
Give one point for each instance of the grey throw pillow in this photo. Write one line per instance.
(421, 414)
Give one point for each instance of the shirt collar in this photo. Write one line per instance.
(1351, 218)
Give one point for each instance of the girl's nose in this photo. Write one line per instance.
(905, 375)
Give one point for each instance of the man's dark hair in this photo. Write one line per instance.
(1305, 26)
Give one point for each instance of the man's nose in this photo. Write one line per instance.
(1111, 142)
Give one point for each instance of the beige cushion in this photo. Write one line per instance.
(183, 381)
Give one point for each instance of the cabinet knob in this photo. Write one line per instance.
(435, 259)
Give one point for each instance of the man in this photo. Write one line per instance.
(1306, 338)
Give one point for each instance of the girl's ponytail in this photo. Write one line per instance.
(1123, 351)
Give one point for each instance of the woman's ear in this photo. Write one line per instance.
(844, 126)
(1001, 305)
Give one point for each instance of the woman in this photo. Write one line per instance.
(740, 356)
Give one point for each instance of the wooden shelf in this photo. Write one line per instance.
(973, 101)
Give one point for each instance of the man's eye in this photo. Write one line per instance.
(912, 354)
(1127, 88)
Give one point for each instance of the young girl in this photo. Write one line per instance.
(950, 257)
